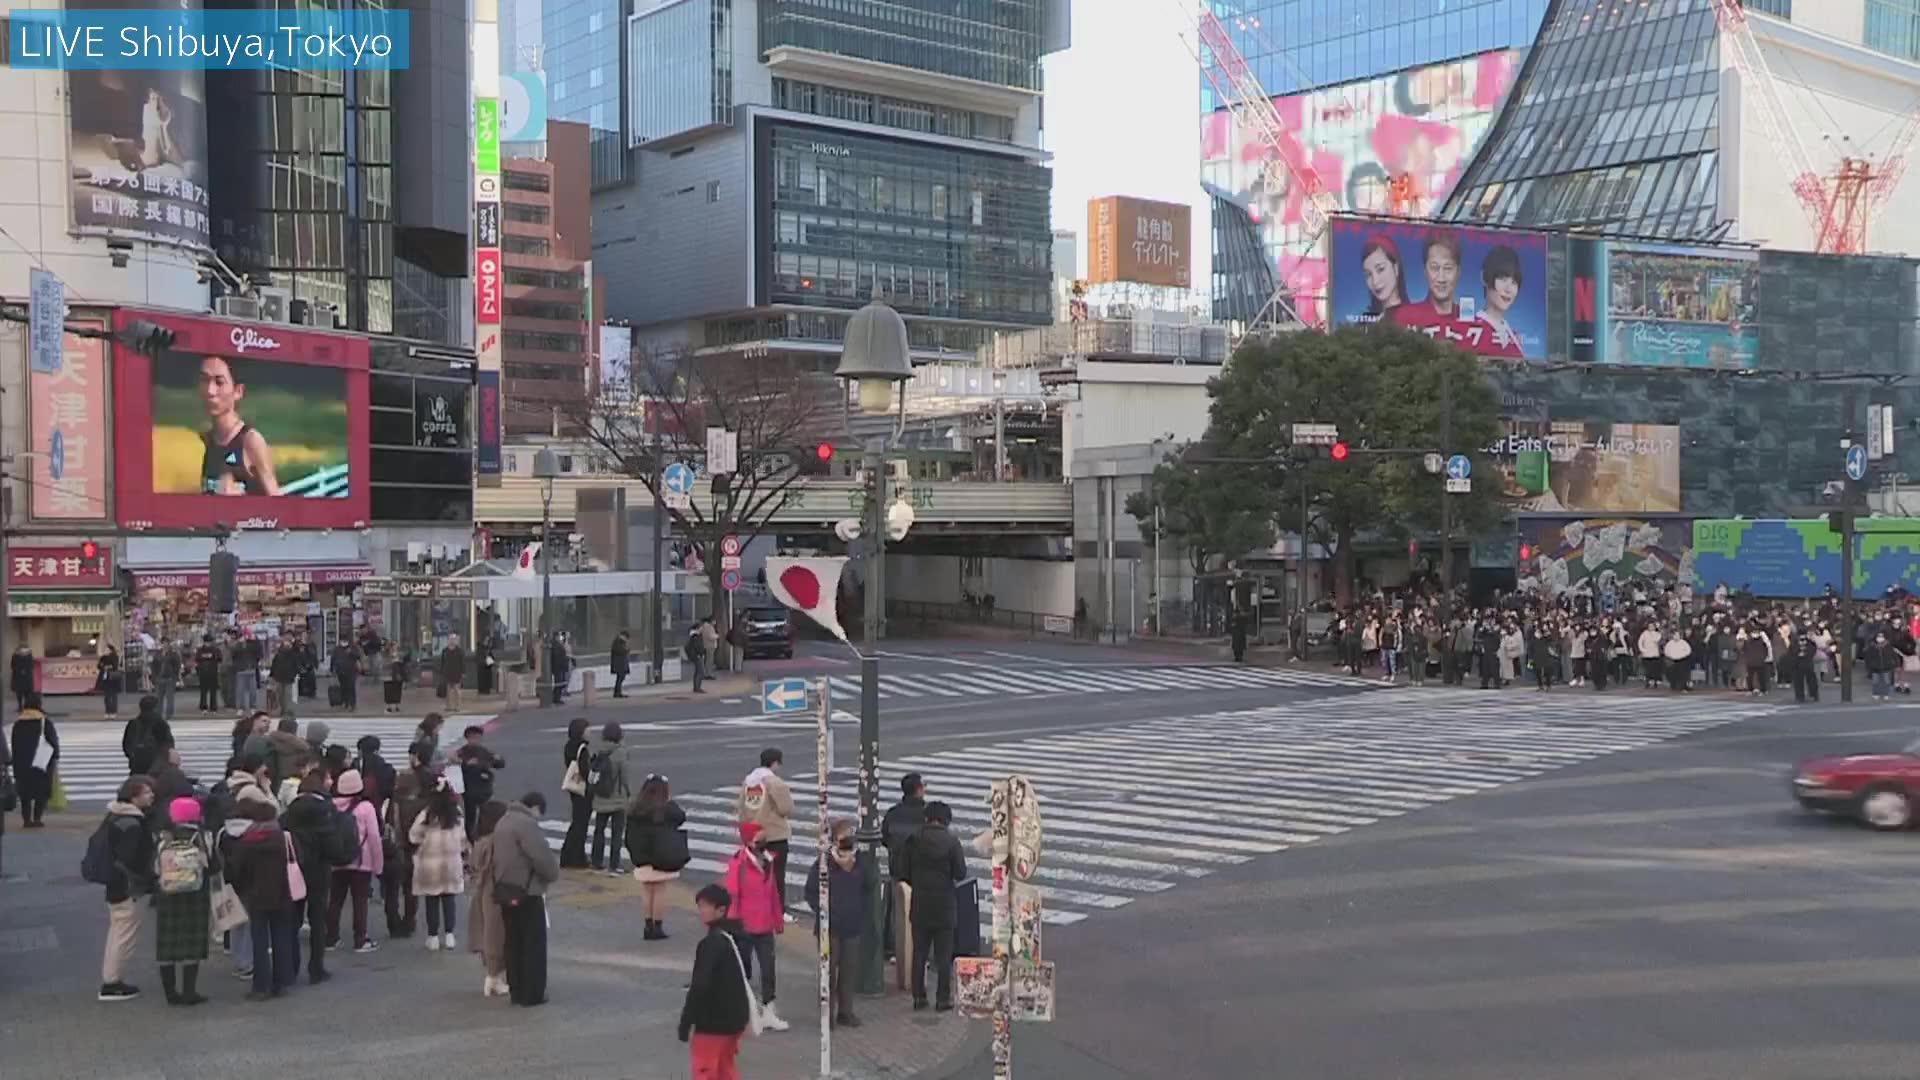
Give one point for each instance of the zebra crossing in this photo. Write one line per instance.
(983, 681)
(1137, 810)
(92, 767)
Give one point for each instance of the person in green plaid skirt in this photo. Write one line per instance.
(183, 917)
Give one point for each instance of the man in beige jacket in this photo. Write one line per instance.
(766, 801)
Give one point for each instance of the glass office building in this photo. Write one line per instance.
(990, 41)
(581, 54)
(939, 232)
(1612, 127)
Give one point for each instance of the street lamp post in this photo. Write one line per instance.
(875, 359)
(546, 468)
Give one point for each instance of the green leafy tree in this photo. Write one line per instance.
(1209, 511)
(1385, 388)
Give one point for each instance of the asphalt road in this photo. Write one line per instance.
(1663, 912)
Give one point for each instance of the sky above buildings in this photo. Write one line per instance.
(1123, 115)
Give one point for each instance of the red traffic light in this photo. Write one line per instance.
(1339, 451)
(823, 452)
(1526, 552)
(89, 549)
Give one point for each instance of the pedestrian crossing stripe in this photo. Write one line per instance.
(973, 682)
(92, 766)
(1137, 809)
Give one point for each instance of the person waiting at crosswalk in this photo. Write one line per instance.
(766, 801)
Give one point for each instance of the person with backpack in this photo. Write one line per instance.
(486, 924)
(756, 902)
(607, 783)
(315, 826)
(718, 1008)
(120, 859)
(146, 730)
(476, 764)
(182, 901)
(410, 795)
(848, 874)
(657, 840)
(263, 866)
(439, 837)
(355, 877)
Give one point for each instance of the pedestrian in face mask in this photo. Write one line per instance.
(849, 874)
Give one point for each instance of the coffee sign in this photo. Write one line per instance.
(437, 416)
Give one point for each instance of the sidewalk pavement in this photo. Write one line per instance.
(614, 999)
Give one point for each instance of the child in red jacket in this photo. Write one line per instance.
(756, 903)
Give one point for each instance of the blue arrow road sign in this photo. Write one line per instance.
(1856, 462)
(679, 478)
(1459, 467)
(783, 696)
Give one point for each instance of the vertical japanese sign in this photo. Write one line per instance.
(488, 276)
(47, 320)
(67, 418)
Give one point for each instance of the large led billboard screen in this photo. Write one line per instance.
(253, 425)
(1663, 305)
(1484, 290)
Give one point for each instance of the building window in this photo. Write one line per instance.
(1781, 8)
(1893, 26)
(544, 309)
(544, 279)
(517, 180)
(816, 100)
(525, 245)
(529, 214)
(565, 343)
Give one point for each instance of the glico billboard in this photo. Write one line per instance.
(251, 425)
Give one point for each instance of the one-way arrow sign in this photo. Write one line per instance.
(783, 696)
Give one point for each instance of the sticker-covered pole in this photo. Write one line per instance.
(823, 764)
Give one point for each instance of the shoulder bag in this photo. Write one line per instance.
(756, 1012)
(296, 881)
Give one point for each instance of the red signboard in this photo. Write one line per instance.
(251, 425)
(59, 568)
(486, 284)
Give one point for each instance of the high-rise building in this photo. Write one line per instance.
(546, 240)
(786, 161)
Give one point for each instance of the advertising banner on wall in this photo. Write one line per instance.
(1418, 127)
(487, 273)
(487, 415)
(1139, 240)
(137, 148)
(1801, 557)
(71, 435)
(1661, 305)
(1582, 467)
(1484, 290)
(1600, 557)
(251, 425)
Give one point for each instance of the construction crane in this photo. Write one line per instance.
(1286, 166)
(1841, 202)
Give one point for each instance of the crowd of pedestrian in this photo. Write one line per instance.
(1651, 636)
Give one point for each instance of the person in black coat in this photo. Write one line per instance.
(147, 729)
(378, 775)
(620, 663)
(35, 784)
(130, 850)
(573, 852)
(309, 818)
(20, 671)
(715, 1014)
(849, 873)
(657, 842)
(935, 864)
(477, 764)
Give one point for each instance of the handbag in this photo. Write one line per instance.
(228, 913)
(573, 783)
(1911, 663)
(296, 881)
(756, 1012)
(509, 895)
(9, 798)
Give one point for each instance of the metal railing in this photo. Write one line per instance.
(924, 613)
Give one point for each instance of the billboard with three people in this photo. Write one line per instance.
(1482, 289)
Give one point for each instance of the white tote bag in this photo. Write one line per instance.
(756, 1012)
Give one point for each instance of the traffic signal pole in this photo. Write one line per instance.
(1446, 498)
(1847, 629)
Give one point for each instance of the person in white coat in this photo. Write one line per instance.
(1652, 666)
(1513, 651)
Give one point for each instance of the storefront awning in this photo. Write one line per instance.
(195, 577)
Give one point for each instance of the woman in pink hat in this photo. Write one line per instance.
(182, 901)
(356, 878)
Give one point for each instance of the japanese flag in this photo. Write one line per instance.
(529, 556)
(809, 586)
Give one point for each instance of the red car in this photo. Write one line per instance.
(1882, 790)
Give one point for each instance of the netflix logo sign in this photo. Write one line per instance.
(487, 284)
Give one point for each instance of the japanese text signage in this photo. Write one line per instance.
(487, 440)
(47, 315)
(67, 415)
(1139, 240)
(1484, 290)
(486, 224)
(58, 568)
(486, 286)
